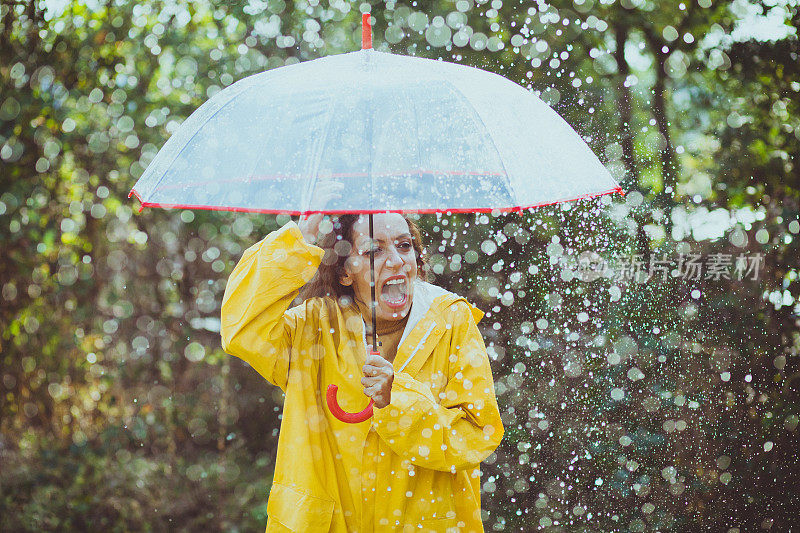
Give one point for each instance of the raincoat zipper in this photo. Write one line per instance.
(410, 357)
(419, 347)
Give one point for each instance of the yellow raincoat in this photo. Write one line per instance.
(414, 466)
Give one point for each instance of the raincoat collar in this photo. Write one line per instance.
(424, 295)
(429, 301)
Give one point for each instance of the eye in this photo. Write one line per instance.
(405, 246)
(377, 249)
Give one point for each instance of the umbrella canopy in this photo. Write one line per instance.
(400, 133)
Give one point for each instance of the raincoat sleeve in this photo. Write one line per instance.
(255, 323)
(461, 427)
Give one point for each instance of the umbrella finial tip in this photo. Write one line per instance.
(366, 31)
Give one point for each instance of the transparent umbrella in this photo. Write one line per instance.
(401, 134)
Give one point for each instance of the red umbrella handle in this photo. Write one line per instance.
(341, 414)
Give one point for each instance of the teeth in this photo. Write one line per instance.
(395, 282)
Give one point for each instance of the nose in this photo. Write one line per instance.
(393, 258)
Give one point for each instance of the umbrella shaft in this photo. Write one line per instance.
(373, 303)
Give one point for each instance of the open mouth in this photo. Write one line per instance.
(394, 292)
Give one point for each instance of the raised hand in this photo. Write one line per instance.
(324, 191)
(309, 227)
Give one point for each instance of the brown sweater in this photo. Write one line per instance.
(389, 331)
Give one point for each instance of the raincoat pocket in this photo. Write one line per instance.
(298, 511)
(418, 518)
(434, 525)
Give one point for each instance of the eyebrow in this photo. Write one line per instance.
(399, 237)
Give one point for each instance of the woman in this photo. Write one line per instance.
(415, 464)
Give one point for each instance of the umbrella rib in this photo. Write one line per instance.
(317, 157)
(416, 122)
(491, 139)
(249, 176)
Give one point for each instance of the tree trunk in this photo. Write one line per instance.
(624, 100)
(626, 135)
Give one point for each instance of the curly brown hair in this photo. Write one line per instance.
(337, 245)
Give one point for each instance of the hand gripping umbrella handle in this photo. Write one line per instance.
(341, 414)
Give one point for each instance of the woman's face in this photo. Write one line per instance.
(395, 264)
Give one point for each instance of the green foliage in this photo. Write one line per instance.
(105, 485)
